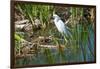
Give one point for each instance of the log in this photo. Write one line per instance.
(51, 46)
(21, 22)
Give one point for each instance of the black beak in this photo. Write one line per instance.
(52, 18)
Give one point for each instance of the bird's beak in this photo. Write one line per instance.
(52, 18)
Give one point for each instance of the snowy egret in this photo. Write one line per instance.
(61, 26)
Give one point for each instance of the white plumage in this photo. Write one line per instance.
(61, 25)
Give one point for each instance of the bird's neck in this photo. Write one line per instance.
(56, 19)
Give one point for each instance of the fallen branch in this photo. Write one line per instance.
(21, 22)
(51, 46)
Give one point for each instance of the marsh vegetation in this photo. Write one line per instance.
(38, 42)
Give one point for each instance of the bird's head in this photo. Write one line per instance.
(55, 17)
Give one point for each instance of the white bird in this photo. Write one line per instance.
(61, 26)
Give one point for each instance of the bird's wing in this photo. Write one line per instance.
(64, 29)
(61, 26)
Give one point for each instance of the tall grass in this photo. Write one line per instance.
(32, 11)
(78, 50)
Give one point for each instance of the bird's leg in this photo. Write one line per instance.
(63, 38)
(67, 40)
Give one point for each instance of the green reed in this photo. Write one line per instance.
(76, 49)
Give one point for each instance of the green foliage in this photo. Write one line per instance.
(76, 49)
(32, 11)
(48, 56)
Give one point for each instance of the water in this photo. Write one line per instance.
(81, 48)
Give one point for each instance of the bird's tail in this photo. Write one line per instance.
(68, 33)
